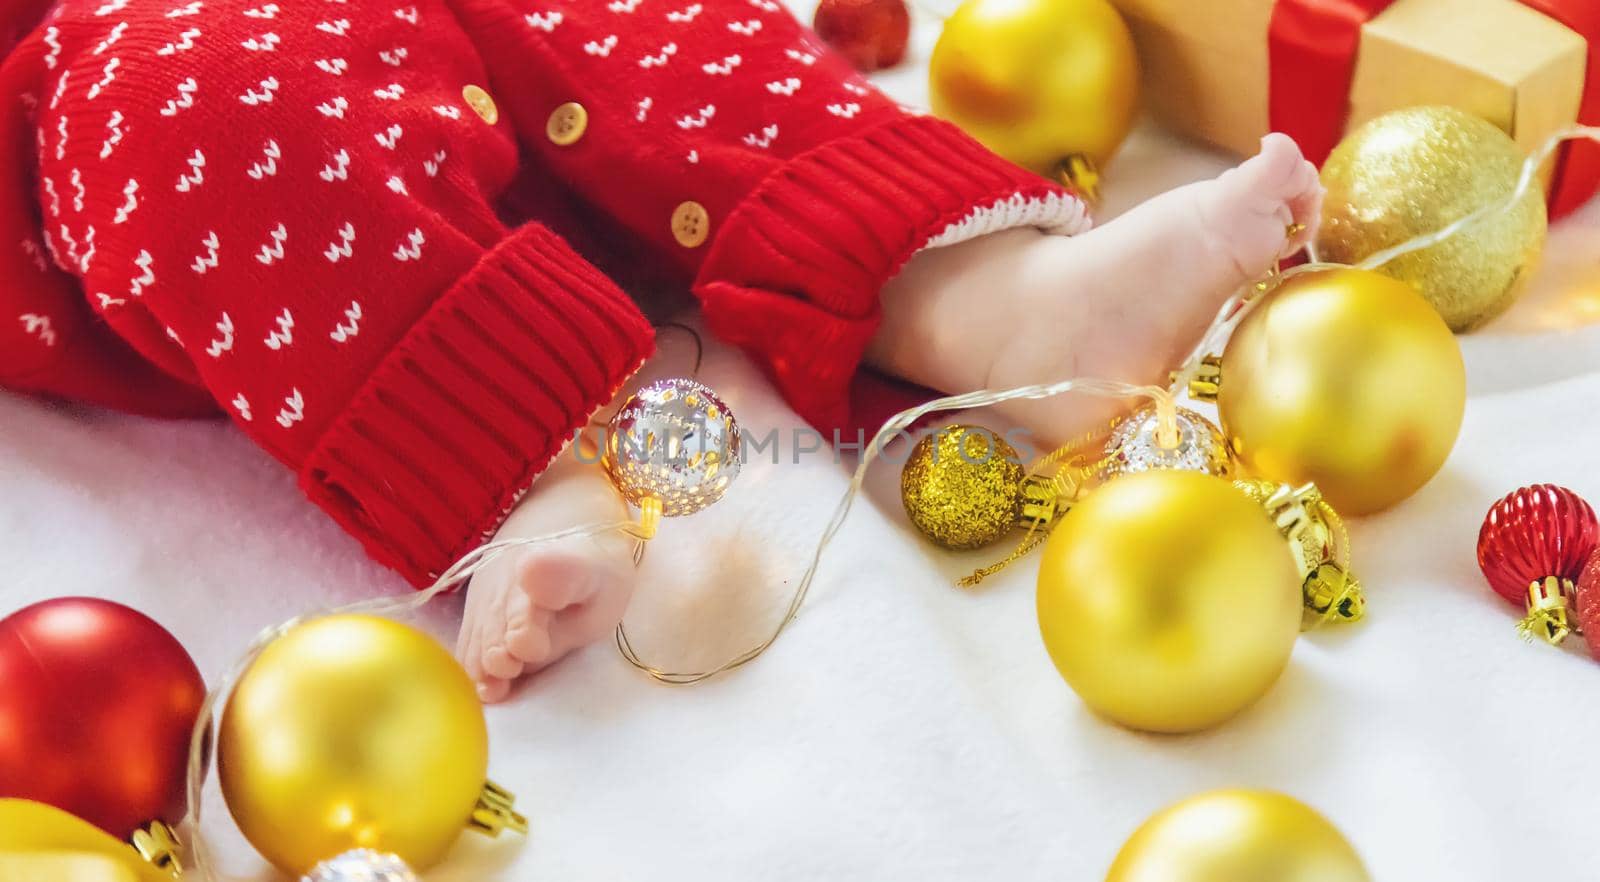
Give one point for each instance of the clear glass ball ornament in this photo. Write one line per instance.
(362, 865)
(1136, 444)
(674, 442)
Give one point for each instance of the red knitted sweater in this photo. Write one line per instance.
(369, 232)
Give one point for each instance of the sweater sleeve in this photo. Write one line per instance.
(756, 162)
(284, 212)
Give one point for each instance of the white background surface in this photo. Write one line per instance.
(905, 730)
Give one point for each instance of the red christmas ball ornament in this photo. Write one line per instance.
(97, 704)
(872, 34)
(1533, 545)
(1589, 603)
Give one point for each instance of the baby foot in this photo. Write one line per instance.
(1126, 301)
(531, 607)
(1250, 210)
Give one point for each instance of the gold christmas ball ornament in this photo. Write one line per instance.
(1168, 600)
(1190, 442)
(1344, 378)
(1320, 545)
(357, 732)
(42, 843)
(1415, 171)
(673, 446)
(964, 487)
(1238, 836)
(1052, 85)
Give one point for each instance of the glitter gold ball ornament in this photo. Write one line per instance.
(1238, 836)
(355, 731)
(1415, 171)
(673, 445)
(1052, 85)
(362, 865)
(1139, 443)
(963, 487)
(1168, 600)
(1320, 545)
(1346, 379)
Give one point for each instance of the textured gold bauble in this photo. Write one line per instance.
(1168, 600)
(962, 487)
(1414, 171)
(1038, 81)
(1138, 444)
(674, 443)
(1238, 836)
(352, 732)
(1347, 379)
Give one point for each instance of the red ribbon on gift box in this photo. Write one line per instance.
(1313, 46)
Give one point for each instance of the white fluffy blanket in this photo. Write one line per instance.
(906, 730)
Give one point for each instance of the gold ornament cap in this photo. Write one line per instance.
(1333, 595)
(159, 847)
(1080, 174)
(1207, 382)
(1549, 611)
(496, 812)
(1320, 544)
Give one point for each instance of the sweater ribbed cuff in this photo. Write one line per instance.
(475, 402)
(795, 272)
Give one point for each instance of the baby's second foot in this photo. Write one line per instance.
(530, 607)
(1126, 301)
(1262, 210)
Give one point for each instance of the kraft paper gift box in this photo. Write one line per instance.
(1230, 71)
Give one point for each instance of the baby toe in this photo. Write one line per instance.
(493, 690)
(469, 651)
(1276, 173)
(1280, 147)
(531, 647)
(527, 637)
(499, 663)
(555, 580)
(1307, 204)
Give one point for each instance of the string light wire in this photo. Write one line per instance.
(1228, 318)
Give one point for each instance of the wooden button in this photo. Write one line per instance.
(567, 123)
(481, 103)
(691, 224)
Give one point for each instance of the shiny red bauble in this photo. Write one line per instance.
(1535, 533)
(872, 34)
(97, 703)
